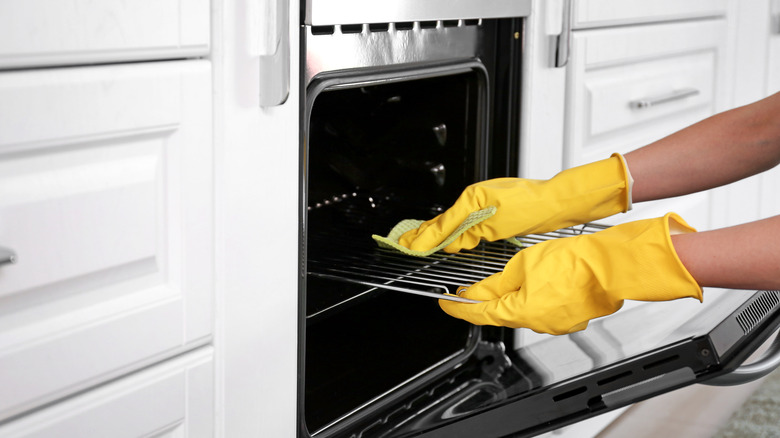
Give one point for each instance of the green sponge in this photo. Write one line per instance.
(391, 241)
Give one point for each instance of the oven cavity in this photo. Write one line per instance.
(379, 152)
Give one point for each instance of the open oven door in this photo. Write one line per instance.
(623, 359)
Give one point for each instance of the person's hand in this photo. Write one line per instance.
(525, 206)
(559, 285)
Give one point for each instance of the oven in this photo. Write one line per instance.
(403, 107)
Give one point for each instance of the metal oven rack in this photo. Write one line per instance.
(439, 273)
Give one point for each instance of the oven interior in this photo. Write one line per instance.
(379, 152)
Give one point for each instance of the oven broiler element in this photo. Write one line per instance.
(432, 276)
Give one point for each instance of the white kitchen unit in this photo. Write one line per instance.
(171, 400)
(106, 199)
(44, 32)
(257, 170)
(637, 73)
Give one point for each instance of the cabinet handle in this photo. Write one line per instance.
(7, 256)
(272, 17)
(564, 39)
(647, 102)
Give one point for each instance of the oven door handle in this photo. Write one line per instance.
(768, 362)
(271, 20)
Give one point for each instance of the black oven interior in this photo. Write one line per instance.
(380, 152)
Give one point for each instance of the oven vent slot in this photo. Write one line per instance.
(757, 310)
(403, 26)
(378, 268)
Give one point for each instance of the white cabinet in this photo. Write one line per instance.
(167, 401)
(628, 86)
(106, 195)
(52, 32)
(601, 13)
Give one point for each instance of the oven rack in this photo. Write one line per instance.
(347, 260)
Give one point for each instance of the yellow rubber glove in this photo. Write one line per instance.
(559, 285)
(525, 206)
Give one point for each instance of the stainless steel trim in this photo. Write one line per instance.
(330, 12)
(344, 50)
(647, 102)
(7, 256)
(768, 362)
(564, 39)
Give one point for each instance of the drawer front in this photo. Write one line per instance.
(598, 13)
(630, 86)
(52, 32)
(106, 198)
(172, 400)
(659, 95)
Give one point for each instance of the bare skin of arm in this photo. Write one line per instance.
(716, 151)
(719, 150)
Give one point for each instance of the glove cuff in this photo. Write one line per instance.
(658, 274)
(674, 224)
(629, 182)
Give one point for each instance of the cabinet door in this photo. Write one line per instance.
(173, 400)
(598, 13)
(106, 197)
(52, 32)
(630, 86)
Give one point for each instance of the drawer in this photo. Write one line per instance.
(627, 87)
(106, 197)
(663, 93)
(172, 400)
(599, 13)
(52, 32)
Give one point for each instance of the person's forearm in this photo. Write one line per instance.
(743, 257)
(716, 151)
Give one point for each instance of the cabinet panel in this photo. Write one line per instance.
(51, 32)
(611, 70)
(627, 97)
(592, 13)
(171, 400)
(630, 86)
(106, 197)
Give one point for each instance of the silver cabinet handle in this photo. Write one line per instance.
(564, 39)
(274, 51)
(657, 100)
(7, 256)
(768, 362)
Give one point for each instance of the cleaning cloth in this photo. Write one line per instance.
(391, 241)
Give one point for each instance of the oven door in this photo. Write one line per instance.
(632, 355)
